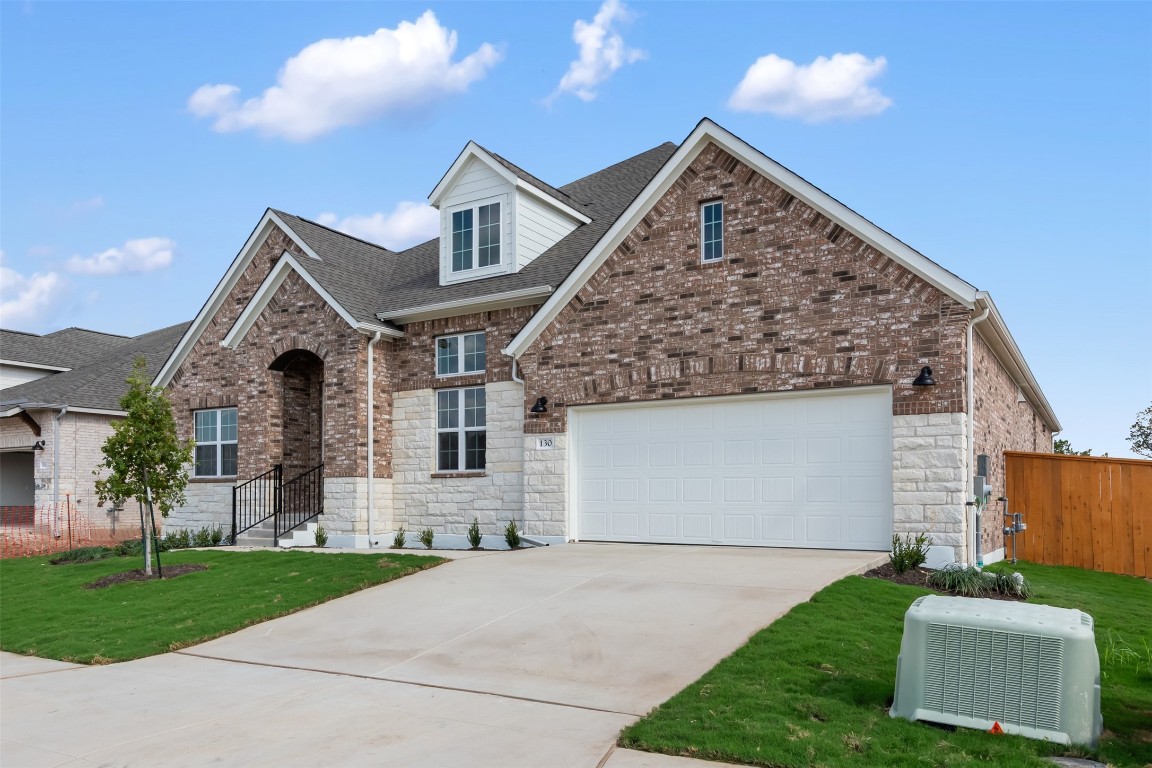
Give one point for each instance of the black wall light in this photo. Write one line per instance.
(925, 378)
(541, 405)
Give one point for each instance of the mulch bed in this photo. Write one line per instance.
(170, 572)
(918, 577)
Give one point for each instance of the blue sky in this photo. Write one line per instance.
(1011, 143)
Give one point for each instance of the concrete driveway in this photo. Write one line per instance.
(531, 658)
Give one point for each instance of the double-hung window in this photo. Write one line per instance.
(461, 427)
(462, 353)
(215, 443)
(476, 237)
(712, 231)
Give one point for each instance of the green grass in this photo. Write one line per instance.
(813, 689)
(46, 611)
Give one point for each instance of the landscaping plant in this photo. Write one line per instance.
(474, 536)
(321, 536)
(909, 553)
(426, 537)
(512, 535)
(398, 538)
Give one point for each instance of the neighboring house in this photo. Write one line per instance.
(26, 357)
(694, 345)
(52, 428)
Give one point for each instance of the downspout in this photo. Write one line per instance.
(371, 446)
(971, 436)
(56, 470)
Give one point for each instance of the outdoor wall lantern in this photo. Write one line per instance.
(38, 445)
(541, 405)
(925, 378)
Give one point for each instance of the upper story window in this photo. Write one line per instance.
(712, 231)
(476, 237)
(215, 443)
(463, 353)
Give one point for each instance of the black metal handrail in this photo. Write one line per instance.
(302, 499)
(257, 500)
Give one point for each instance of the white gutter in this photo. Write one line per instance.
(371, 447)
(969, 455)
(56, 470)
(473, 304)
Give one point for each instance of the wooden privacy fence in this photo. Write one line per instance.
(1087, 511)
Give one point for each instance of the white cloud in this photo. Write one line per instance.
(143, 255)
(602, 51)
(24, 301)
(826, 89)
(409, 224)
(89, 205)
(335, 83)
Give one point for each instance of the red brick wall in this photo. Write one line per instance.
(797, 303)
(415, 354)
(296, 318)
(1001, 423)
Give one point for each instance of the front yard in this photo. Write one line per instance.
(47, 611)
(813, 689)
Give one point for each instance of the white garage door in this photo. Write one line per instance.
(811, 470)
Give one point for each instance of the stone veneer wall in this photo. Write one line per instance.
(928, 478)
(446, 503)
(797, 303)
(546, 487)
(1002, 422)
(208, 504)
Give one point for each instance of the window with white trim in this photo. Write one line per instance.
(712, 231)
(461, 430)
(476, 237)
(459, 354)
(215, 443)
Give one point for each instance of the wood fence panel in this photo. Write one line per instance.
(1087, 511)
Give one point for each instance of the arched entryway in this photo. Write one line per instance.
(302, 416)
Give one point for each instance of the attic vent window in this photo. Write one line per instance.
(476, 237)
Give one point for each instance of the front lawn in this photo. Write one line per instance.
(813, 689)
(46, 610)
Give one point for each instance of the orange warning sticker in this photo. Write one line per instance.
(996, 728)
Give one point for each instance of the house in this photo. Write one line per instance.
(694, 345)
(52, 428)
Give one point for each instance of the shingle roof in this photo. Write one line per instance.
(99, 384)
(66, 348)
(372, 282)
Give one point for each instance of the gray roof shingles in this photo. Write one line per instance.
(66, 348)
(372, 282)
(99, 384)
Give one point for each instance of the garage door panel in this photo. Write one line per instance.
(802, 471)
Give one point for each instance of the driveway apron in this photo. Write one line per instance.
(532, 658)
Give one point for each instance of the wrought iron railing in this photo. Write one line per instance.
(302, 498)
(257, 500)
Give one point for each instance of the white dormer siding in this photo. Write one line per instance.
(531, 220)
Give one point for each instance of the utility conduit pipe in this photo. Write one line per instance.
(371, 442)
(970, 451)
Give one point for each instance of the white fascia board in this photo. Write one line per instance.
(547, 199)
(995, 333)
(471, 150)
(57, 406)
(37, 366)
(492, 301)
(222, 289)
(267, 290)
(97, 411)
(369, 329)
(708, 131)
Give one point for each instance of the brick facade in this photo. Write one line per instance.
(1003, 422)
(797, 303)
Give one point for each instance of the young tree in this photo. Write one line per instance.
(1140, 436)
(144, 453)
(1065, 447)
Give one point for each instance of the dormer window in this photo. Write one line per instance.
(476, 237)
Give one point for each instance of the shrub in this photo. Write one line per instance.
(909, 553)
(82, 555)
(130, 548)
(202, 537)
(474, 535)
(321, 536)
(426, 537)
(217, 535)
(181, 539)
(398, 538)
(1010, 584)
(511, 535)
(960, 579)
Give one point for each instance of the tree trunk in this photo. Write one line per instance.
(147, 539)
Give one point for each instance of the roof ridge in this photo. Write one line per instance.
(335, 231)
(621, 162)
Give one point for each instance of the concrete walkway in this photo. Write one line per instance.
(531, 658)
